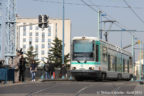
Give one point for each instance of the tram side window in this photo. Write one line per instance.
(104, 54)
(115, 63)
(128, 66)
(112, 63)
(97, 53)
(123, 65)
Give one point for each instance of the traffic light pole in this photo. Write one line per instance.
(140, 62)
(63, 34)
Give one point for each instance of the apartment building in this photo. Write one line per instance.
(41, 39)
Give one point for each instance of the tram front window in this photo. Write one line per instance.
(83, 50)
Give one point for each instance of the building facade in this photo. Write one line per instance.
(139, 68)
(28, 33)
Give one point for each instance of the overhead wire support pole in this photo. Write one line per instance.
(63, 32)
(99, 16)
(133, 53)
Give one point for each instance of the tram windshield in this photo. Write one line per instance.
(83, 50)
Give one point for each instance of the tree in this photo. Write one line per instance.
(31, 55)
(55, 53)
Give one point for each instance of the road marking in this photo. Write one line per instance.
(79, 92)
(36, 92)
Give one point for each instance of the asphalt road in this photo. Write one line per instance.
(74, 88)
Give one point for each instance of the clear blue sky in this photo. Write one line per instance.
(84, 20)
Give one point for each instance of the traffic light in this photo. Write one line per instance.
(40, 21)
(45, 21)
(45, 18)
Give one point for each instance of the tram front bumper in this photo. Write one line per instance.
(86, 73)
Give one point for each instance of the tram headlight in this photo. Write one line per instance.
(91, 68)
(99, 68)
(73, 68)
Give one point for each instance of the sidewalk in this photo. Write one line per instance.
(10, 83)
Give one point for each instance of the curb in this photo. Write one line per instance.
(57, 80)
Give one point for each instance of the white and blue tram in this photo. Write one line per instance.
(92, 58)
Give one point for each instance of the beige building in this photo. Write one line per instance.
(41, 39)
(139, 65)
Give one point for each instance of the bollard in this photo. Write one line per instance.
(42, 77)
(70, 78)
(53, 75)
(63, 77)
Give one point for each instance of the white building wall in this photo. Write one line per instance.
(55, 31)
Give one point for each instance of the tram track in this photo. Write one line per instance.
(41, 90)
(122, 93)
(56, 88)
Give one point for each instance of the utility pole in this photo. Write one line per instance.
(99, 16)
(63, 32)
(133, 53)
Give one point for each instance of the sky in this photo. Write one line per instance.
(84, 19)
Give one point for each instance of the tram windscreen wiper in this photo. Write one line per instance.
(85, 61)
(78, 61)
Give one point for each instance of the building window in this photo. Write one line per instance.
(49, 33)
(49, 40)
(36, 28)
(42, 52)
(24, 28)
(24, 33)
(36, 47)
(24, 47)
(43, 35)
(30, 34)
(43, 39)
(30, 26)
(24, 39)
(30, 39)
(36, 40)
(43, 46)
(37, 34)
(49, 29)
(49, 45)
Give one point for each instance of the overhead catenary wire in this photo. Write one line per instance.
(79, 4)
(91, 6)
(134, 12)
(116, 23)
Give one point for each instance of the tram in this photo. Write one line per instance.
(95, 59)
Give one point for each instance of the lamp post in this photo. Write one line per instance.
(63, 33)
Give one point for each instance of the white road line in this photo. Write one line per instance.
(36, 92)
(79, 92)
